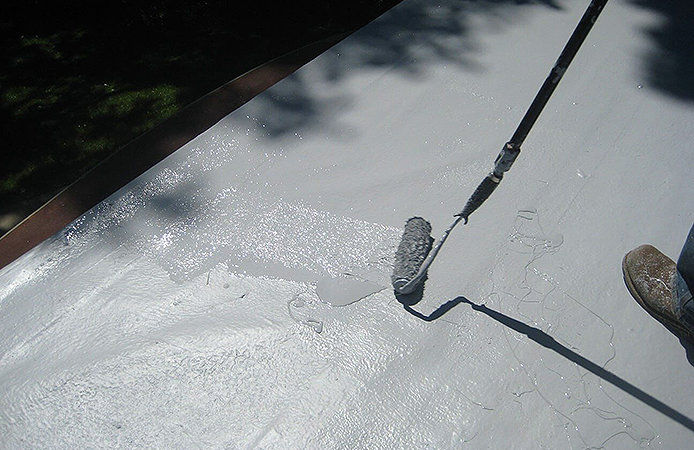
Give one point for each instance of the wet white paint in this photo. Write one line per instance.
(237, 294)
(343, 291)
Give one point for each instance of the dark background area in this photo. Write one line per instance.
(80, 79)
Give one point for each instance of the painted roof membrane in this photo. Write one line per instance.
(237, 294)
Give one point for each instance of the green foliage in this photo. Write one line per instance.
(80, 79)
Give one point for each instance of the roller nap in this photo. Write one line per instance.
(412, 251)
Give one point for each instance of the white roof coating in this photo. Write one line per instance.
(237, 294)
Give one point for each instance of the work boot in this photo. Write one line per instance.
(653, 280)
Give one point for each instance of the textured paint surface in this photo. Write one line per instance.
(190, 308)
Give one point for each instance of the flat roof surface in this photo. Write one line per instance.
(237, 293)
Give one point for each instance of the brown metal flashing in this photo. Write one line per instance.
(133, 159)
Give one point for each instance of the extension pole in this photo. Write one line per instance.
(509, 152)
(555, 75)
(512, 148)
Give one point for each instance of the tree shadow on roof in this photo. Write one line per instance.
(407, 40)
(669, 65)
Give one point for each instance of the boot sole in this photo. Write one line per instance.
(665, 320)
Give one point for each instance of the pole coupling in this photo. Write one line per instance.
(505, 160)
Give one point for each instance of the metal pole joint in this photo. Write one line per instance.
(506, 158)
